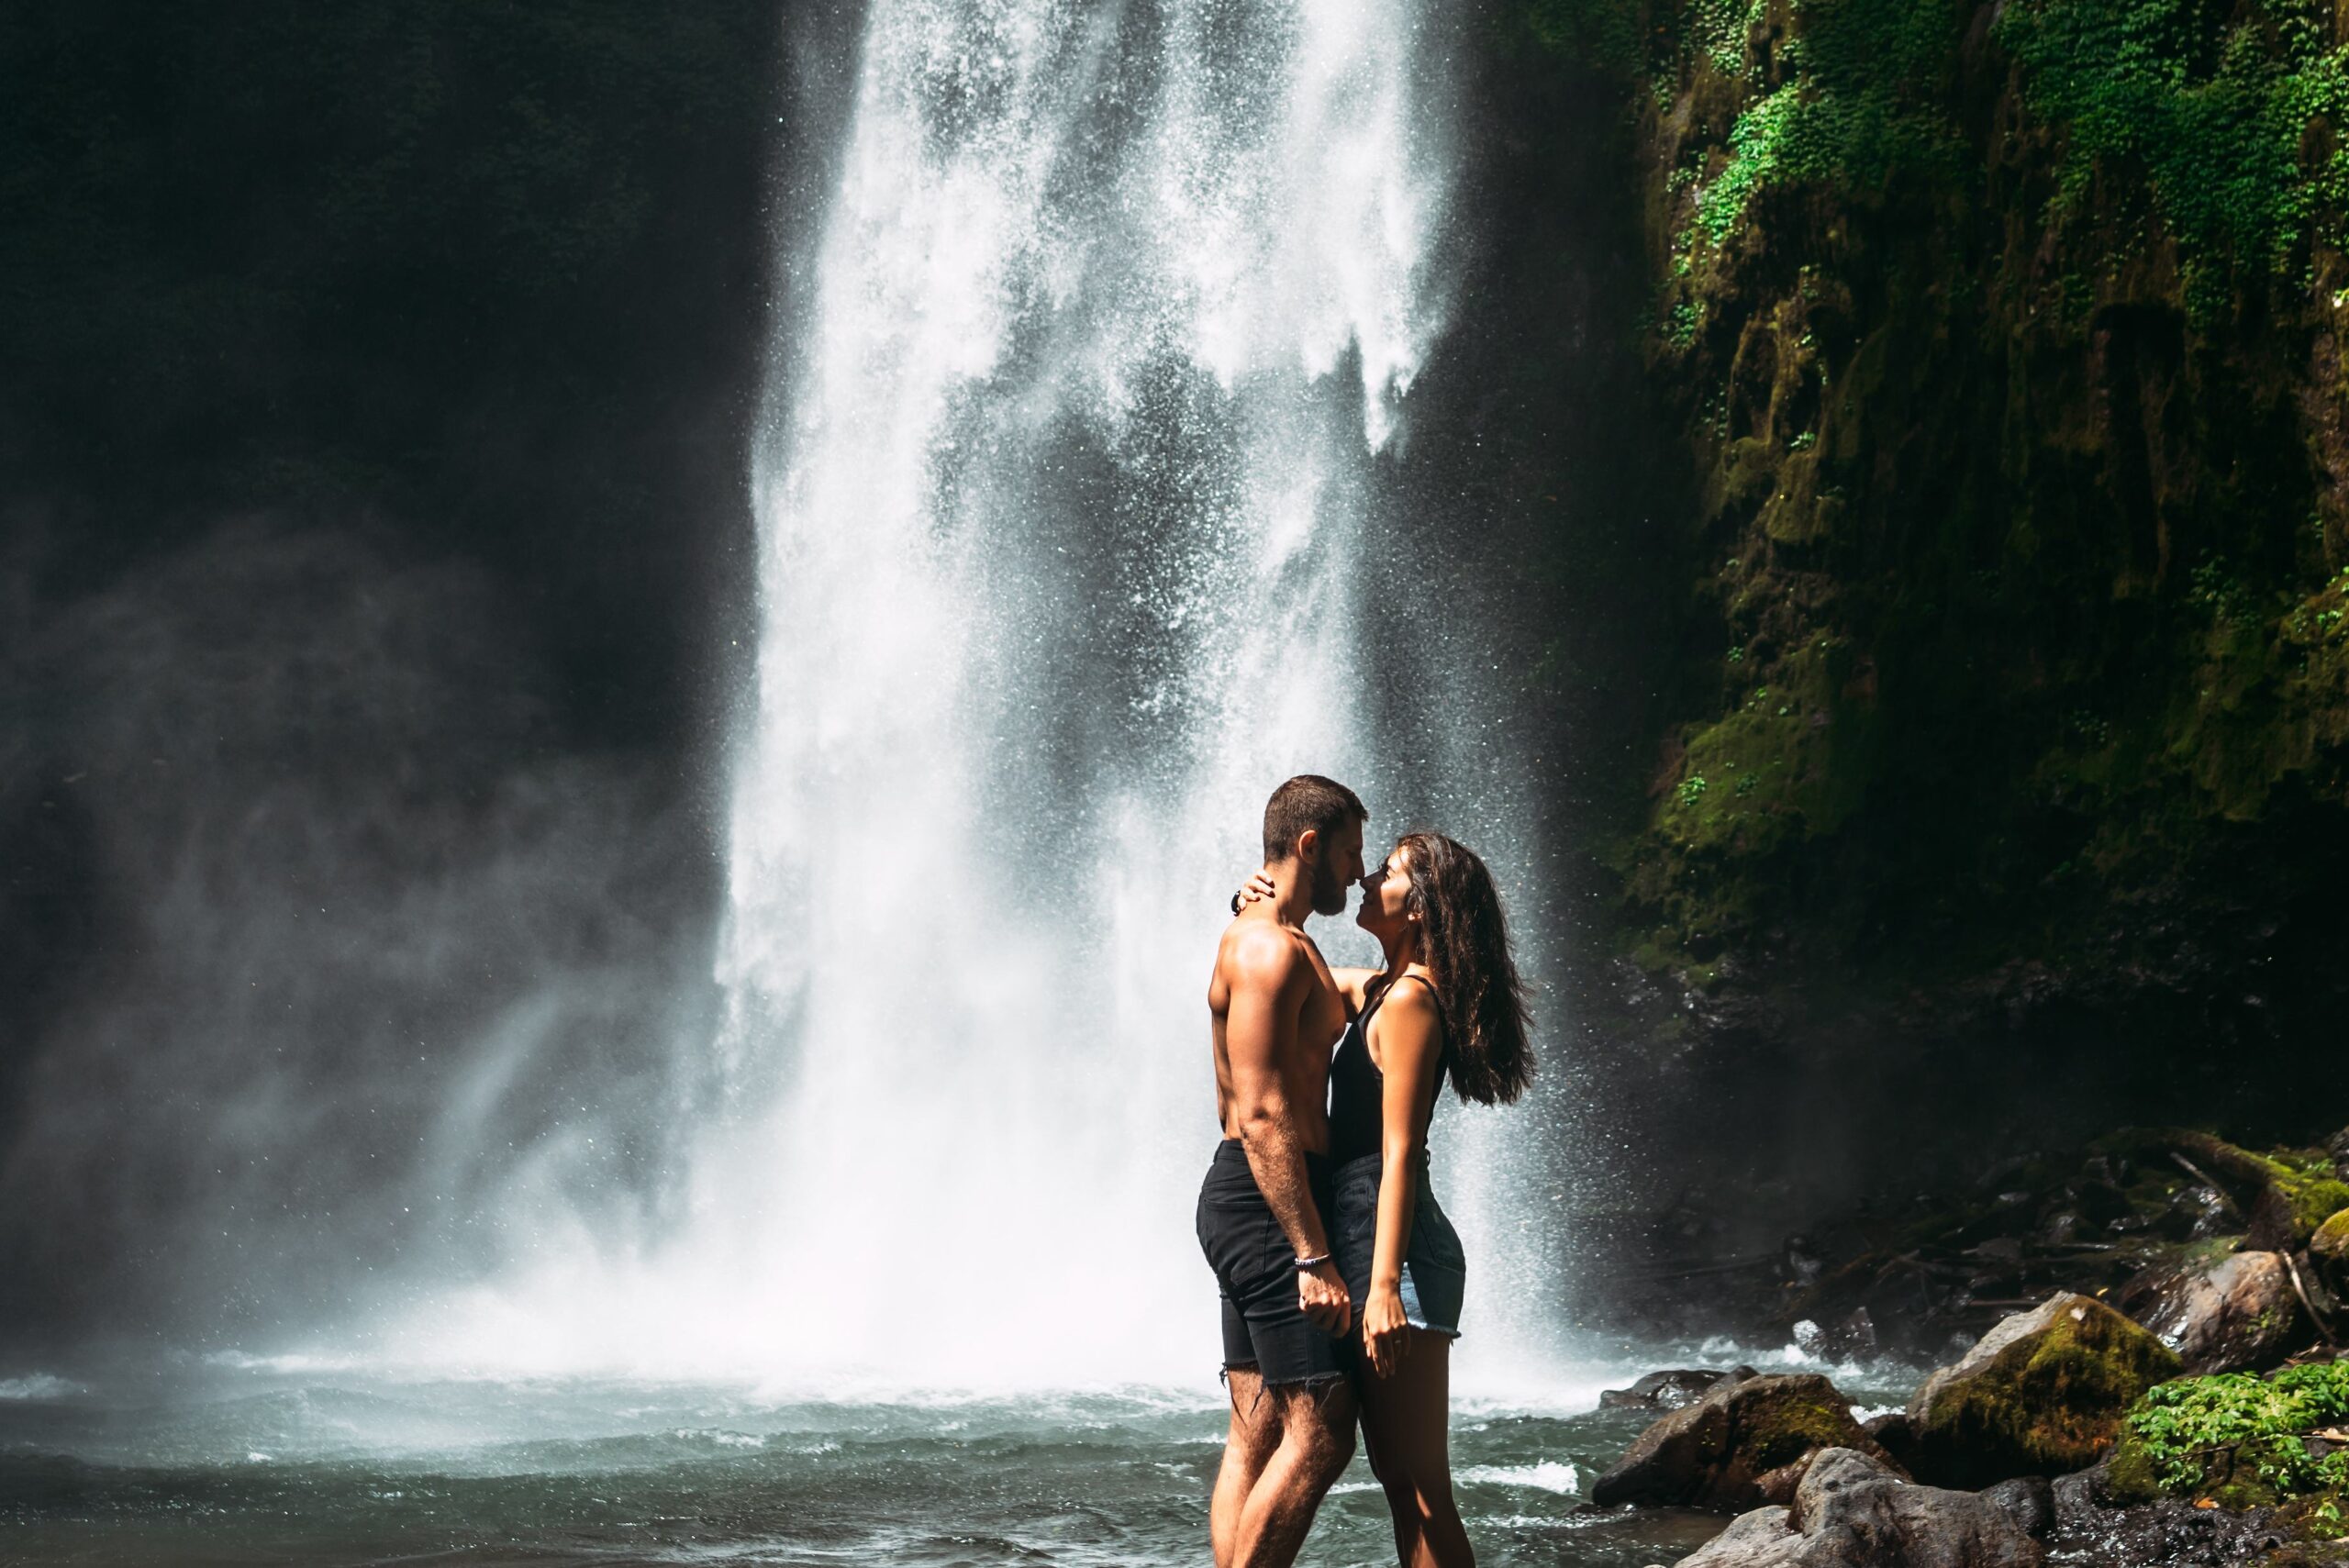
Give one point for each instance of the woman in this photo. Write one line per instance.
(1447, 1003)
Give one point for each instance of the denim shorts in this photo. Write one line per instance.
(1255, 1273)
(1435, 1270)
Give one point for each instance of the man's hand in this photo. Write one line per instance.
(1258, 888)
(1385, 1329)
(1321, 1296)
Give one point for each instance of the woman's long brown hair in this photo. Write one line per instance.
(1464, 944)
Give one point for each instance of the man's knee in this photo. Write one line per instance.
(1320, 1422)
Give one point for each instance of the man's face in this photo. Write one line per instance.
(1337, 864)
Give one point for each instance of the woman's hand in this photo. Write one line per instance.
(1385, 1332)
(1258, 888)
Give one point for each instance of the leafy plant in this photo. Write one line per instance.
(2200, 1433)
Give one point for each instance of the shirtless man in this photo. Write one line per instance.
(1277, 1012)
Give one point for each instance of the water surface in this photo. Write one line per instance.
(271, 1464)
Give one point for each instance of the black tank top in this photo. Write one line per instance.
(1358, 1089)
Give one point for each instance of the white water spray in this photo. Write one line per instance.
(1062, 499)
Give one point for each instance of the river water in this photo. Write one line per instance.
(221, 1462)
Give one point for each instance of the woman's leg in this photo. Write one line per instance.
(1407, 1422)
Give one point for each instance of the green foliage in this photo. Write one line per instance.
(1860, 106)
(2237, 1436)
(2211, 107)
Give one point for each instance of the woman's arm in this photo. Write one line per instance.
(1354, 983)
(1408, 1051)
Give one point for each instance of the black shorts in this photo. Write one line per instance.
(1256, 1270)
(1435, 1270)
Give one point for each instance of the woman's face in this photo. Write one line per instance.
(1385, 893)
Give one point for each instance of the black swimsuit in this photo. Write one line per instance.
(1435, 1270)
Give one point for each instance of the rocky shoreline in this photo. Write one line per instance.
(2175, 1391)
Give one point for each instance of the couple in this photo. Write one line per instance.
(1342, 1280)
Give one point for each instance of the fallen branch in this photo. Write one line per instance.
(2301, 1290)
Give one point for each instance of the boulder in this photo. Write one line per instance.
(2029, 1501)
(2329, 1251)
(1671, 1390)
(2238, 1314)
(1744, 1443)
(1852, 1512)
(2041, 1394)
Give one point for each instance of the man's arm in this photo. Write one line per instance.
(1267, 979)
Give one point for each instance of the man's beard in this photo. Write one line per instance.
(1329, 889)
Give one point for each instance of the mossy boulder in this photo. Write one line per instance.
(2329, 1251)
(1745, 1445)
(2042, 1393)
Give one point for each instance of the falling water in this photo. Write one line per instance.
(1064, 492)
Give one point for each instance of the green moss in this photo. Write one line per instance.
(2053, 1400)
(2236, 1438)
(1783, 1429)
(1790, 760)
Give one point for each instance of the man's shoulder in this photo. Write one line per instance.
(1262, 952)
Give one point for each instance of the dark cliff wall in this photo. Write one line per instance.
(1995, 786)
(375, 387)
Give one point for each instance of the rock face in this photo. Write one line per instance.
(1744, 1443)
(1676, 1389)
(1852, 1512)
(2041, 1394)
(2238, 1314)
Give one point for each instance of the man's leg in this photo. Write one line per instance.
(1247, 1449)
(1317, 1438)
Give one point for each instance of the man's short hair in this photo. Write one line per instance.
(1307, 801)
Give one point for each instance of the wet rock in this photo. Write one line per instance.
(2041, 1394)
(2200, 1212)
(2029, 1501)
(1851, 1336)
(2235, 1314)
(1742, 1444)
(2098, 1525)
(1671, 1390)
(1893, 1434)
(2329, 1251)
(2338, 1147)
(1851, 1511)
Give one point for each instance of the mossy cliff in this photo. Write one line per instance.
(2004, 345)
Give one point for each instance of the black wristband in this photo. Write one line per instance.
(1235, 904)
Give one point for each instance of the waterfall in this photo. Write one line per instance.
(1064, 491)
